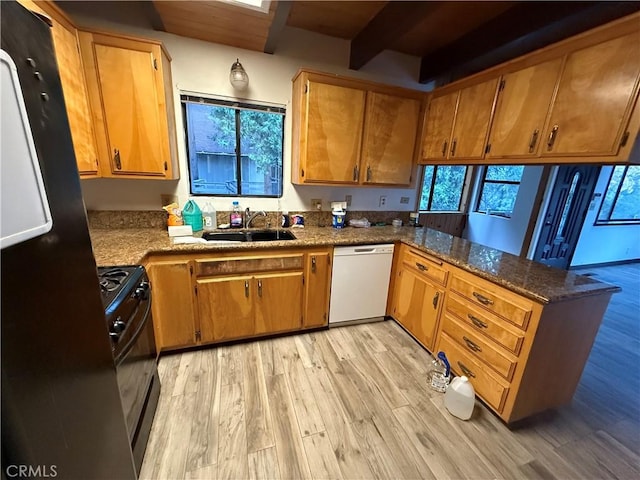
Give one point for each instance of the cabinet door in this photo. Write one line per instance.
(278, 301)
(417, 306)
(472, 120)
(438, 126)
(317, 288)
(334, 123)
(596, 92)
(225, 307)
(390, 130)
(521, 110)
(173, 304)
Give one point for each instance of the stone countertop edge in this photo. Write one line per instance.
(538, 282)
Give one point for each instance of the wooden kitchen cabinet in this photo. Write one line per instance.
(522, 106)
(352, 132)
(278, 300)
(172, 303)
(596, 93)
(317, 288)
(74, 87)
(131, 96)
(438, 126)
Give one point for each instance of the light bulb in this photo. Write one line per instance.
(238, 77)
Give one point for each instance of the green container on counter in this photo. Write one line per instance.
(192, 215)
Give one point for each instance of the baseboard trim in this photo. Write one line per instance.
(605, 264)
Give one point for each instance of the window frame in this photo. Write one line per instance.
(237, 106)
(609, 222)
(484, 180)
(464, 193)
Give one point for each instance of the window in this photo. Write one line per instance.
(442, 188)
(621, 202)
(499, 189)
(234, 149)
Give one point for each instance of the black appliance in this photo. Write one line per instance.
(126, 296)
(62, 414)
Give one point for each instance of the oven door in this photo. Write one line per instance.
(136, 365)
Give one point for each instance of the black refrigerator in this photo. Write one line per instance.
(61, 409)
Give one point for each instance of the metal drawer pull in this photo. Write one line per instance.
(116, 158)
(453, 147)
(313, 264)
(534, 140)
(476, 321)
(259, 288)
(482, 299)
(422, 267)
(466, 371)
(471, 345)
(368, 174)
(444, 148)
(436, 297)
(552, 137)
(246, 288)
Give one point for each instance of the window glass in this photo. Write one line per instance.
(621, 202)
(500, 189)
(442, 188)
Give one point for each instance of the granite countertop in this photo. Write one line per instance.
(530, 279)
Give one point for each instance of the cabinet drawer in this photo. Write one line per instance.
(474, 345)
(492, 390)
(508, 305)
(425, 265)
(485, 323)
(233, 265)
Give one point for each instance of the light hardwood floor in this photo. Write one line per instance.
(352, 402)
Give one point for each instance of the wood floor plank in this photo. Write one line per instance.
(232, 449)
(203, 448)
(342, 343)
(322, 459)
(263, 464)
(207, 472)
(256, 401)
(231, 363)
(413, 387)
(183, 383)
(378, 381)
(375, 449)
(308, 350)
(304, 401)
(289, 447)
(267, 356)
(362, 334)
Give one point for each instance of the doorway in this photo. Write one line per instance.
(565, 214)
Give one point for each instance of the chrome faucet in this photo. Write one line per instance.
(248, 216)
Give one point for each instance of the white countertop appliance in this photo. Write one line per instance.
(360, 282)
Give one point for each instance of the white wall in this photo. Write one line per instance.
(506, 234)
(605, 243)
(203, 67)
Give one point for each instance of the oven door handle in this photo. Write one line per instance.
(127, 348)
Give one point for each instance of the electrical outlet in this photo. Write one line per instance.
(383, 201)
(316, 204)
(404, 200)
(347, 198)
(168, 199)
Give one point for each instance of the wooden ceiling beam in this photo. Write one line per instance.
(522, 29)
(278, 23)
(393, 21)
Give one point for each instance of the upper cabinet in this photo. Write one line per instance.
(74, 87)
(351, 132)
(129, 84)
(573, 102)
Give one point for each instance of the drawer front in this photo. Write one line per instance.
(236, 265)
(476, 346)
(492, 390)
(485, 323)
(425, 265)
(508, 305)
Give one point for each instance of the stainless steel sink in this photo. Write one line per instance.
(249, 236)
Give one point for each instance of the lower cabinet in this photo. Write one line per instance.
(200, 299)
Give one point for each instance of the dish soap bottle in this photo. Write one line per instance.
(209, 221)
(236, 216)
(439, 375)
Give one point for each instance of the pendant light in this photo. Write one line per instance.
(238, 76)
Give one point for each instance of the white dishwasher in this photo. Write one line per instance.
(360, 282)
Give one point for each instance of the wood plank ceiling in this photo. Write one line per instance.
(453, 39)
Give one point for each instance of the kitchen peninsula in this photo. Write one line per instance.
(504, 321)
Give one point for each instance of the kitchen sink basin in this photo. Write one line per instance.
(249, 236)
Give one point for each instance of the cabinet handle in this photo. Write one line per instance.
(444, 149)
(355, 173)
(534, 140)
(116, 158)
(368, 173)
(453, 146)
(246, 288)
(313, 264)
(260, 288)
(421, 267)
(471, 345)
(482, 299)
(436, 297)
(476, 321)
(466, 371)
(552, 137)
